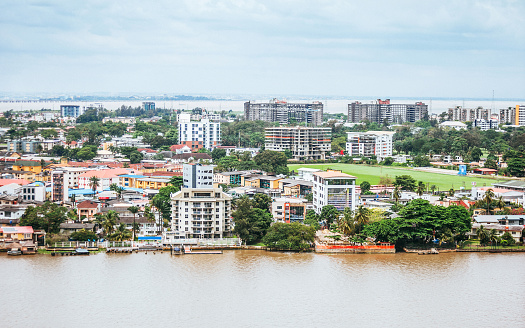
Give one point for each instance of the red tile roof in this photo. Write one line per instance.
(87, 204)
(5, 182)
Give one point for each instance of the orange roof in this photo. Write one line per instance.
(326, 175)
(175, 147)
(5, 182)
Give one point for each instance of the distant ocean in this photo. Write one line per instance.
(330, 106)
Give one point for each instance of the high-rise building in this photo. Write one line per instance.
(383, 111)
(197, 176)
(58, 192)
(201, 213)
(304, 142)
(461, 114)
(333, 188)
(371, 143)
(512, 115)
(284, 112)
(197, 135)
(148, 105)
(71, 110)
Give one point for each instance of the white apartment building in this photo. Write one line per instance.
(334, 188)
(289, 209)
(486, 124)
(303, 142)
(197, 135)
(200, 213)
(378, 143)
(197, 176)
(305, 173)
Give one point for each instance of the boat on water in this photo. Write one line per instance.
(81, 251)
(14, 252)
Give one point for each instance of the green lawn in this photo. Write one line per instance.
(373, 173)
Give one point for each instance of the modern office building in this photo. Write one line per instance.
(71, 110)
(197, 135)
(383, 111)
(305, 143)
(371, 143)
(333, 188)
(461, 114)
(284, 112)
(201, 213)
(197, 176)
(58, 191)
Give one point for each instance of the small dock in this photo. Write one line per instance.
(188, 250)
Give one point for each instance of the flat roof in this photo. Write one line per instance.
(328, 175)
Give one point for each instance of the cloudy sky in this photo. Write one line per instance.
(400, 48)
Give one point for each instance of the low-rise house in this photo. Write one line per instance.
(295, 188)
(514, 230)
(87, 209)
(12, 212)
(12, 233)
(180, 149)
(68, 228)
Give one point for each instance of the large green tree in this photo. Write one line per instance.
(272, 161)
(48, 216)
(251, 223)
(405, 182)
(289, 236)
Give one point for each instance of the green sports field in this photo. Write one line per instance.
(373, 173)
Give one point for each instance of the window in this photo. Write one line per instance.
(217, 216)
(217, 222)
(186, 195)
(279, 207)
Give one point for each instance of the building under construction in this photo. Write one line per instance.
(383, 111)
(284, 112)
(305, 143)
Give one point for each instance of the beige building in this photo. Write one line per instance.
(304, 143)
(201, 213)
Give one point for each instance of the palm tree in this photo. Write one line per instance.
(500, 203)
(420, 188)
(433, 188)
(345, 223)
(110, 220)
(482, 235)
(121, 234)
(361, 217)
(487, 199)
(116, 188)
(493, 237)
(396, 194)
(94, 182)
(134, 210)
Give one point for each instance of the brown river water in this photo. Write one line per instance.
(263, 289)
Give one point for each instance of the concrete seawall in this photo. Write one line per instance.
(367, 249)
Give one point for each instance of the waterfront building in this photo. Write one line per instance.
(87, 209)
(305, 143)
(201, 213)
(197, 176)
(284, 112)
(461, 114)
(383, 111)
(71, 110)
(197, 135)
(289, 210)
(371, 143)
(334, 188)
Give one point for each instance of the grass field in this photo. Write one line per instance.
(373, 173)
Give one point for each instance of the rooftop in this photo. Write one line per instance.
(332, 174)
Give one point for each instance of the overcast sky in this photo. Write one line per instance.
(400, 48)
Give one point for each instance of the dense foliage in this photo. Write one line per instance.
(48, 217)
(289, 236)
(421, 222)
(251, 222)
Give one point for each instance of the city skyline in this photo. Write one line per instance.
(407, 48)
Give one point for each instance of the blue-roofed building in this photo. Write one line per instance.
(130, 180)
